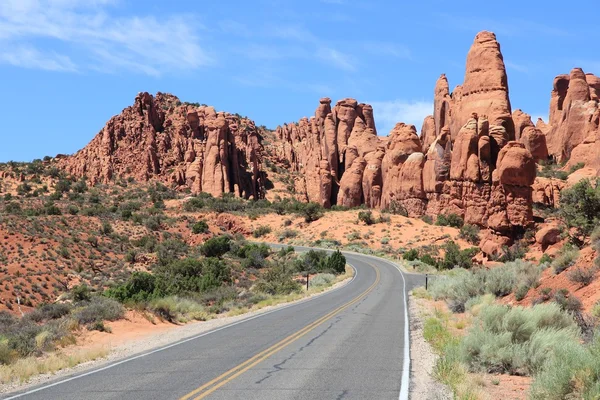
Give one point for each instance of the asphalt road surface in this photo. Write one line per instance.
(349, 343)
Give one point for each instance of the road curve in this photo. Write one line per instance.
(349, 343)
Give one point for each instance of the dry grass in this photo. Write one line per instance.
(24, 369)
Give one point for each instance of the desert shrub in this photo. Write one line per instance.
(200, 227)
(567, 301)
(98, 308)
(453, 220)
(460, 285)
(72, 209)
(396, 208)
(287, 234)
(311, 211)
(366, 217)
(455, 257)
(321, 280)
(81, 293)
(336, 262)
(411, 255)
(106, 229)
(284, 251)
(428, 259)
(545, 259)
(470, 233)
(194, 204)
(427, 219)
(12, 208)
(580, 206)
(170, 250)
(148, 243)
(571, 371)
(277, 280)
(174, 309)
(190, 275)
(216, 247)
(565, 259)
(582, 276)
(49, 311)
(517, 251)
(516, 340)
(154, 222)
(521, 292)
(139, 288)
(261, 231)
(500, 281)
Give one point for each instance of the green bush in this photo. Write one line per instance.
(580, 206)
(411, 255)
(139, 288)
(452, 220)
(81, 293)
(428, 259)
(455, 257)
(336, 262)
(216, 247)
(200, 227)
(261, 231)
(311, 211)
(190, 275)
(366, 217)
(470, 233)
(277, 280)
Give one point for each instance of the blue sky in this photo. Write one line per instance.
(67, 66)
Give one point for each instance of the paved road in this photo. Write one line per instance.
(346, 344)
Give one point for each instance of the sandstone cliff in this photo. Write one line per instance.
(574, 120)
(191, 146)
(474, 157)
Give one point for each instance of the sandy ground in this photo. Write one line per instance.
(423, 385)
(136, 335)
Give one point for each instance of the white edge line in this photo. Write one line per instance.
(94, 371)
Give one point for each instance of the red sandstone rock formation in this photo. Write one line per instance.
(337, 153)
(188, 145)
(574, 121)
(465, 162)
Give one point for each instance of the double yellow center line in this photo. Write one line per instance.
(236, 371)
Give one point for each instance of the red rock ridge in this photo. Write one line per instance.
(195, 147)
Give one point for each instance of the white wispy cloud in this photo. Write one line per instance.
(336, 58)
(92, 38)
(31, 58)
(382, 48)
(388, 113)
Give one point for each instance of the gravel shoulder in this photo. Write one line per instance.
(423, 385)
(155, 341)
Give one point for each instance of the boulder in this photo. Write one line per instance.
(548, 235)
